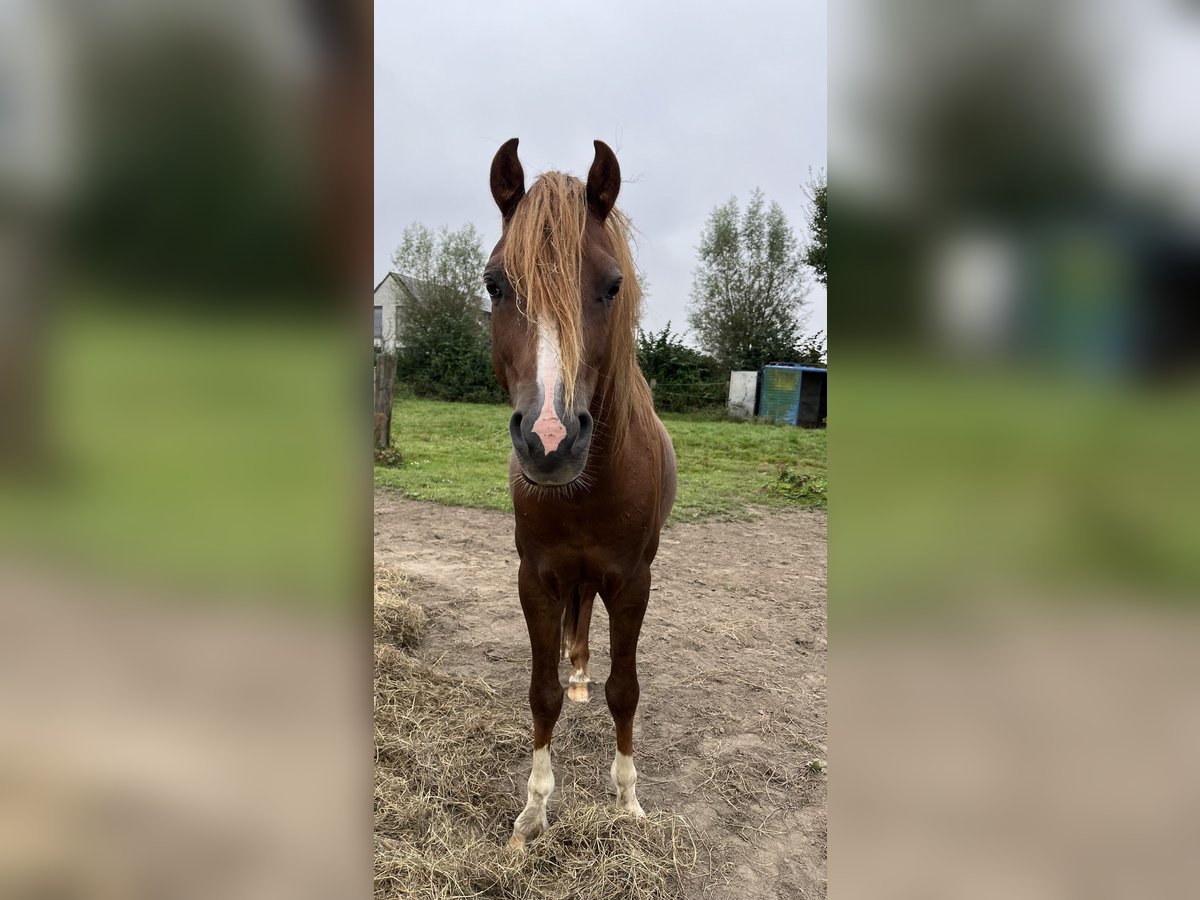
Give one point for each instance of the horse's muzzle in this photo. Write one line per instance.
(564, 463)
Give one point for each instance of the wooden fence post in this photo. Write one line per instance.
(385, 386)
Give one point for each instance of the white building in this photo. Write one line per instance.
(389, 293)
(387, 304)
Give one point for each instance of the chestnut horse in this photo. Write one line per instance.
(592, 471)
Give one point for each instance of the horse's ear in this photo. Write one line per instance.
(508, 178)
(604, 180)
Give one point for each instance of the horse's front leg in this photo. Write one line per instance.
(543, 616)
(626, 609)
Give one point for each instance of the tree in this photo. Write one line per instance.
(449, 262)
(818, 227)
(749, 286)
(444, 349)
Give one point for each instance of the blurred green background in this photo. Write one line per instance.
(203, 451)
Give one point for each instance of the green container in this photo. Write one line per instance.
(792, 395)
(779, 396)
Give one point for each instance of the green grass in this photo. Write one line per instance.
(196, 450)
(457, 454)
(1014, 484)
(454, 453)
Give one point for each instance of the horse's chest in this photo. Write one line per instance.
(593, 543)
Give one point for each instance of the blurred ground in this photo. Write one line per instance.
(153, 749)
(1027, 753)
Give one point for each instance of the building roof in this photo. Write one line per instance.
(411, 283)
(417, 287)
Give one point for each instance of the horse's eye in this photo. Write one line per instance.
(613, 289)
(494, 290)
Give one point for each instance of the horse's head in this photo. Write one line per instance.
(554, 279)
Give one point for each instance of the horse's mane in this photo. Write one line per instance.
(543, 258)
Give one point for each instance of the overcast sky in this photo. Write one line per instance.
(701, 101)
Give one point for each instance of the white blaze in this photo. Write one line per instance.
(549, 427)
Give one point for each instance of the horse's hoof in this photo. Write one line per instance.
(579, 693)
(516, 842)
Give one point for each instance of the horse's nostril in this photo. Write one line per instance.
(514, 430)
(585, 427)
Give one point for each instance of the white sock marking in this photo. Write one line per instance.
(624, 777)
(532, 819)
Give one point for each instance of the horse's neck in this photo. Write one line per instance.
(608, 418)
(603, 407)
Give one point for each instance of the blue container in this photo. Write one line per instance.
(793, 394)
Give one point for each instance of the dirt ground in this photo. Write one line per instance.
(731, 663)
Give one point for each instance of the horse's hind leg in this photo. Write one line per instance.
(570, 623)
(580, 688)
(625, 613)
(543, 616)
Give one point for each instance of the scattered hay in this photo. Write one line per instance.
(589, 852)
(745, 780)
(397, 617)
(450, 760)
(741, 632)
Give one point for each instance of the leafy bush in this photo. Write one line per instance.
(811, 350)
(683, 378)
(448, 357)
(800, 486)
(391, 458)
